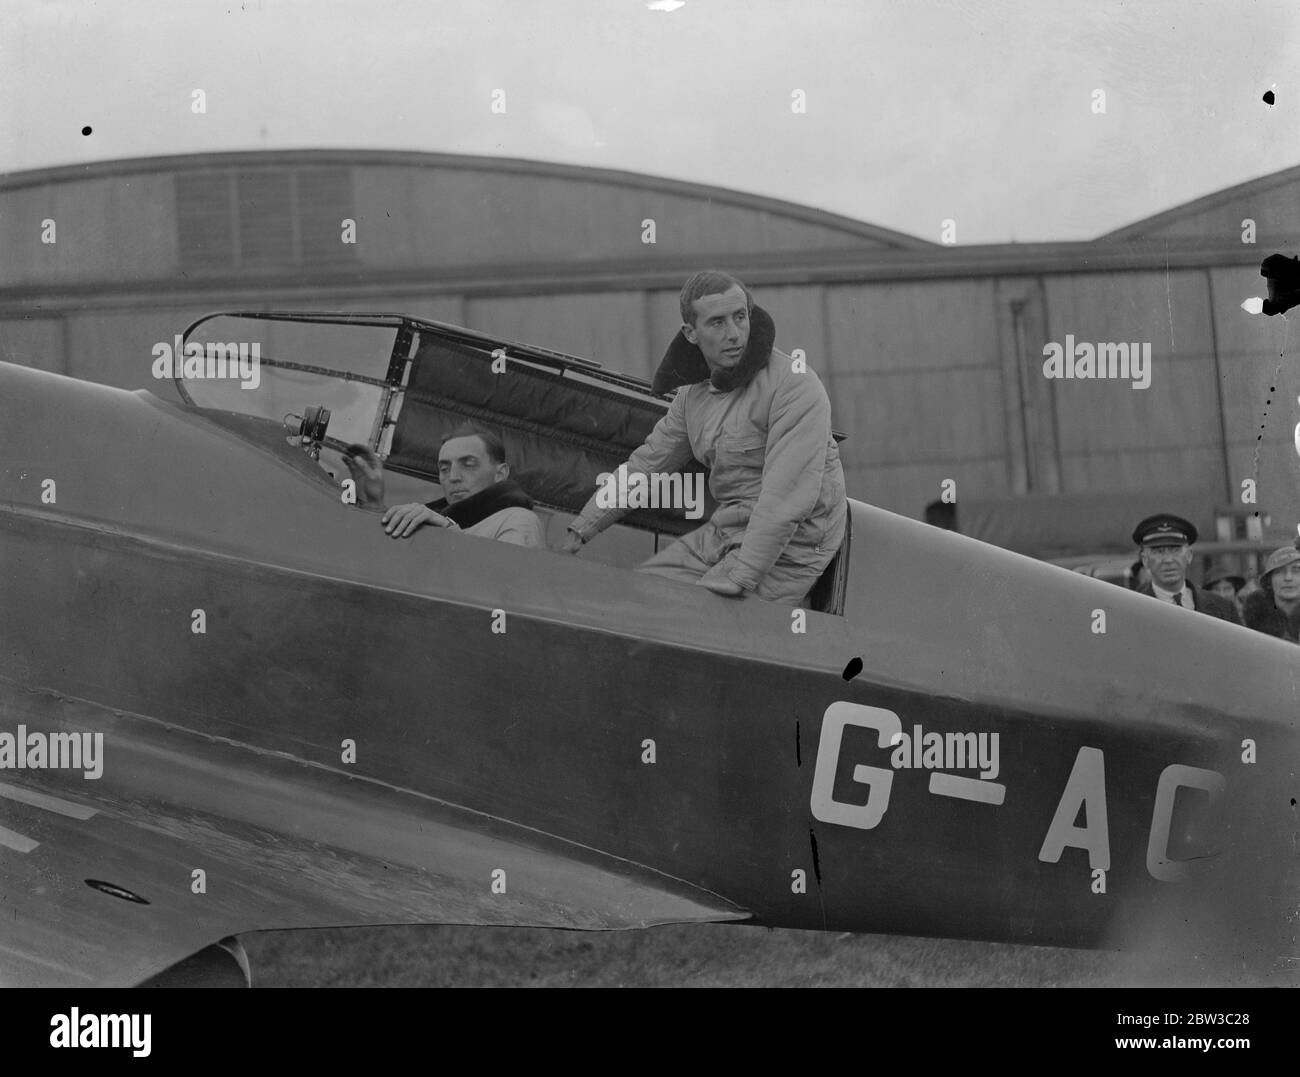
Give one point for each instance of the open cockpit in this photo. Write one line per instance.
(399, 385)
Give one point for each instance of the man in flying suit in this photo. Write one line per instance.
(761, 422)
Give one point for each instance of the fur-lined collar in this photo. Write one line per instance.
(468, 511)
(684, 364)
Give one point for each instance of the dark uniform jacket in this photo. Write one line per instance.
(1262, 614)
(1205, 602)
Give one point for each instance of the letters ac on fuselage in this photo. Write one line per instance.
(1085, 790)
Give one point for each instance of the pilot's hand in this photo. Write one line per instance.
(402, 521)
(721, 585)
(572, 542)
(719, 582)
(367, 473)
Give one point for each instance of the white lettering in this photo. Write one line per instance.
(1120, 361)
(878, 780)
(75, 1029)
(946, 751)
(216, 361)
(659, 490)
(34, 750)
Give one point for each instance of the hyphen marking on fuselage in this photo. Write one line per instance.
(915, 750)
(976, 789)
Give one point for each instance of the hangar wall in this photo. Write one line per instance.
(933, 356)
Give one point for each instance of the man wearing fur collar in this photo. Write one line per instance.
(761, 423)
(481, 498)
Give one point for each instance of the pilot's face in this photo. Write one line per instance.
(721, 328)
(464, 468)
(1286, 582)
(1167, 565)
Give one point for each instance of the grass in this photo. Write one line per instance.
(696, 955)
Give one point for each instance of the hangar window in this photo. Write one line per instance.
(264, 218)
(205, 224)
(265, 212)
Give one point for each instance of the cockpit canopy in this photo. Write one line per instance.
(400, 385)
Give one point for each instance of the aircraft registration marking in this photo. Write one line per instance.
(976, 789)
(878, 780)
(1084, 789)
(20, 843)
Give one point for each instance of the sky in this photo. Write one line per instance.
(902, 114)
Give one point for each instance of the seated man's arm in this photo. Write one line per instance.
(402, 521)
(522, 527)
(667, 448)
(798, 431)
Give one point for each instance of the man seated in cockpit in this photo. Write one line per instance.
(480, 497)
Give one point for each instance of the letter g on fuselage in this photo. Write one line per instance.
(878, 780)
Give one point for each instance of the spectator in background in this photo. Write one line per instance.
(1165, 542)
(1223, 581)
(1275, 608)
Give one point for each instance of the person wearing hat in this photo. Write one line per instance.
(1165, 544)
(1224, 582)
(1275, 608)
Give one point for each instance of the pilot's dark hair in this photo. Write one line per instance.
(708, 282)
(495, 449)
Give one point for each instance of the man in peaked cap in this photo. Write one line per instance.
(1165, 544)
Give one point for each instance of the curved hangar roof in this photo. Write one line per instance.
(208, 215)
(1270, 201)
